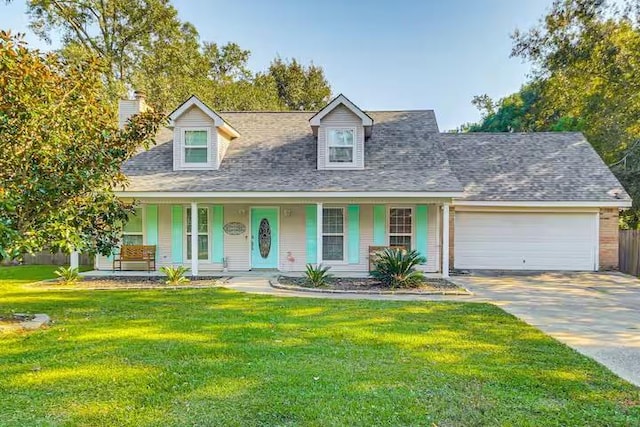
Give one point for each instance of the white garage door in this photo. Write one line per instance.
(525, 241)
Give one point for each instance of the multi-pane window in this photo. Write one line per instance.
(400, 227)
(132, 232)
(341, 145)
(196, 146)
(333, 234)
(203, 233)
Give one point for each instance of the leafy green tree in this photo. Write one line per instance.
(145, 46)
(520, 112)
(118, 32)
(172, 69)
(62, 153)
(227, 63)
(586, 57)
(299, 87)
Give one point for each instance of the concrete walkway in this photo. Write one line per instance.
(597, 314)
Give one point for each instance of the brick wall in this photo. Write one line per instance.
(609, 235)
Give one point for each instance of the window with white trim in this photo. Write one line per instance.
(132, 230)
(196, 146)
(341, 145)
(203, 233)
(401, 227)
(333, 234)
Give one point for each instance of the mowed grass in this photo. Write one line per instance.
(217, 357)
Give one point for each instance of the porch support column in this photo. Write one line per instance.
(194, 238)
(74, 259)
(319, 232)
(445, 240)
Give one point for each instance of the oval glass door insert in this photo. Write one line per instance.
(264, 238)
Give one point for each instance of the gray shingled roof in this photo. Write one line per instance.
(277, 152)
(406, 152)
(543, 166)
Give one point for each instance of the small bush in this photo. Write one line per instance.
(395, 268)
(175, 275)
(67, 275)
(317, 275)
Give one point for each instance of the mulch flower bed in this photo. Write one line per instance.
(368, 284)
(129, 282)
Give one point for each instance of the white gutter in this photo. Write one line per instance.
(283, 194)
(549, 204)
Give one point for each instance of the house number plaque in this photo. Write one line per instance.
(234, 228)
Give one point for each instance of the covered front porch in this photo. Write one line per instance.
(282, 235)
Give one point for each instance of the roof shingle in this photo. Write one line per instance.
(276, 151)
(540, 166)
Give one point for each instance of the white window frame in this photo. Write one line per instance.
(329, 145)
(413, 225)
(183, 155)
(142, 233)
(343, 234)
(187, 233)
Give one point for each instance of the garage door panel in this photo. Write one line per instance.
(525, 241)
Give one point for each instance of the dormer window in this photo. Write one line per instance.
(200, 136)
(341, 143)
(341, 128)
(196, 146)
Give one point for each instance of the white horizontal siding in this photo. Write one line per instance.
(223, 145)
(341, 116)
(237, 248)
(433, 240)
(293, 244)
(192, 118)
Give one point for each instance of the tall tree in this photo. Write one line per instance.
(145, 46)
(61, 154)
(300, 87)
(118, 32)
(586, 55)
(172, 69)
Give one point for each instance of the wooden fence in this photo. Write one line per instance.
(629, 254)
(55, 259)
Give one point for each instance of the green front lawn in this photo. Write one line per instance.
(217, 357)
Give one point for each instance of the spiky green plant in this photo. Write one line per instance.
(175, 275)
(396, 268)
(317, 275)
(67, 275)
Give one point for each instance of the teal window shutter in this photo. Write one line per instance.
(353, 236)
(176, 233)
(151, 224)
(217, 250)
(422, 234)
(312, 233)
(379, 225)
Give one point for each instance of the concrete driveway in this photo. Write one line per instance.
(598, 314)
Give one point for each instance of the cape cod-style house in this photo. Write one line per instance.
(277, 190)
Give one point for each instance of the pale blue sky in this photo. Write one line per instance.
(398, 54)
